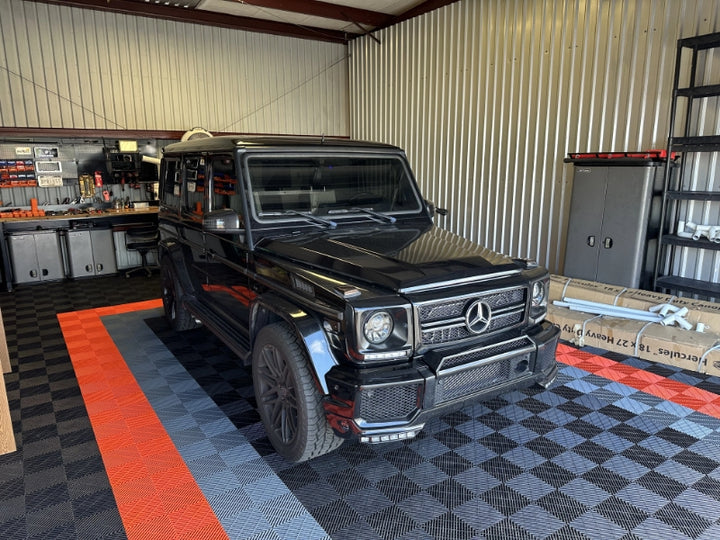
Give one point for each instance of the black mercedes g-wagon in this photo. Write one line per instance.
(317, 262)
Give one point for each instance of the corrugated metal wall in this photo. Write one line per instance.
(77, 68)
(489, 96)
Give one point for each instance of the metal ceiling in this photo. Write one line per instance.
(337, 21)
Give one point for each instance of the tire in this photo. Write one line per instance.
(288, 400)
(179, 318)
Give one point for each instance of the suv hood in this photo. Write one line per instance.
(396, 258)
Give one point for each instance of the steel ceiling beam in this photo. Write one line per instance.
(325, 10)
(208, 18)
(374, 19)
(421, 9)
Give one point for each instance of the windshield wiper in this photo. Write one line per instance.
(372, 214)
(307, 215)
(381, 218)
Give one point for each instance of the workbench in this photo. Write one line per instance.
(61, 229)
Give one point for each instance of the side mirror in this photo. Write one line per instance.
(225, 220)
(435, 210)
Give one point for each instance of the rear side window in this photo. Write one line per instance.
(171, 183)
(225, 192)
(195, 183)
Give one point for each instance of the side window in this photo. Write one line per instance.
(171, 183)
(225, 190)
(195, 181)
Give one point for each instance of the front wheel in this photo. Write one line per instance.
(288, 400)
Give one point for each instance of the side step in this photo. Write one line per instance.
(237, 341)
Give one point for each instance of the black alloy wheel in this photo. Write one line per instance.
(288, 400)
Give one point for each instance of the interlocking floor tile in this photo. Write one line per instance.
(617, 448)
(49, 416)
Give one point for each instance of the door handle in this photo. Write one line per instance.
(608, 243)
(591, 240)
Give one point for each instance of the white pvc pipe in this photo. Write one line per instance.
(606, 309)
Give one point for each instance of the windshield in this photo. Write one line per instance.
(330, 185)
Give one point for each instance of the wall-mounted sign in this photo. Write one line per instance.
(128, 146)
(48, 166)
(49, 180)
(46, 152)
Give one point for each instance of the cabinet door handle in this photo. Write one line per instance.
(591, 240)
(608, 242)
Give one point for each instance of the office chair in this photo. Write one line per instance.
(143, 239)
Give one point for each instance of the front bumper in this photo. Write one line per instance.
(394, 402)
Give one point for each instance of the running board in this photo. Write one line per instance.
(236, 341)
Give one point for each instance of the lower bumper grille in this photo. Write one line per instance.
(482, 353)
(473, 380)
(388, 403)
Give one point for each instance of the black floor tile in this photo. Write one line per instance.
(56, 444)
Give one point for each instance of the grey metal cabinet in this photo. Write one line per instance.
(614, 215)
(91, 252)
(36, 256)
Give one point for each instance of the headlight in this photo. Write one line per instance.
(538, 300)
(382, 333)
(538, 293)
(378, 327)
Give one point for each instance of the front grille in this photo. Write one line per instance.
(439, 311)
(443, 335)
(443, 321)
(388, 403)
(484, 353)
(474, 380)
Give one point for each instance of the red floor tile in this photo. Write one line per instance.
(157, 496)
(668, 389)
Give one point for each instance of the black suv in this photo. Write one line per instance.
(318, 263)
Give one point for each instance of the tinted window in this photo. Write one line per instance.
(225, 192)
(171, 183)
(195, 182)
(330, 184)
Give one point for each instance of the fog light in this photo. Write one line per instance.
(388, 437)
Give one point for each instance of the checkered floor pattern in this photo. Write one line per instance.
(55, 485)
(599, 455)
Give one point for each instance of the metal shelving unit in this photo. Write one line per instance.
(692, 180)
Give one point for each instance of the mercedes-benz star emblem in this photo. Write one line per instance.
(478, 316)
